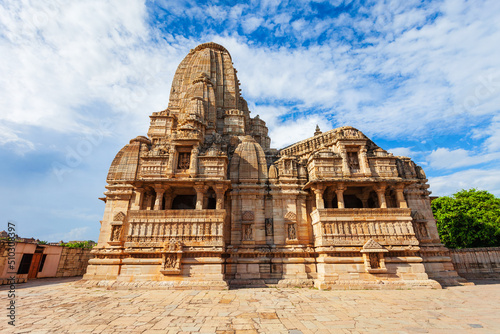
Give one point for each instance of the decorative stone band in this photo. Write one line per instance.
(353, 227)
(191, 227)
(356, 233)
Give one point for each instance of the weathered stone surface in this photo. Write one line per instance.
(58, 306)
(203, 198)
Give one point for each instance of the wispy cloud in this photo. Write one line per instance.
(472, 178)
(444, 158)
(75, 234)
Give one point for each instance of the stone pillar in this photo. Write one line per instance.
(345, 166)
(139, 193)
(168, 194)
(340, 195)
(236, 229)
(364, 198)
(318, 190)
(380, 189)
(149, 201)
(193, 163)
(200, 190)
(400, 197)
(220, 190)
(278, 219)
(363, 161)
(259, 214)
(171, 164)
(159, 198)
(304, 229)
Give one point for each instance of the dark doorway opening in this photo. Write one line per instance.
(24, 266)
(352, 202)
(184, 202)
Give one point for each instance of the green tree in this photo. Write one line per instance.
(469, 218)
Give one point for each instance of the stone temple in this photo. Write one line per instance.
(204, 202)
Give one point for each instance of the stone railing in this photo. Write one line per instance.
(342, 227)
(191, 227)
(477, 262)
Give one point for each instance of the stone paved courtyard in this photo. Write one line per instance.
(58, 306)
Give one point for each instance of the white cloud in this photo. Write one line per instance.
(473, 178)
(251, 23)
(60, 57)
(401, 151)
(75, 234)
(444, 158)
(492, 143)
(9, 137)
(295, 130)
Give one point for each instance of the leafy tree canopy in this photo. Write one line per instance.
(469, 218)
(80, 244)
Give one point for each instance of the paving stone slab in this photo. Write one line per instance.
(66, 307)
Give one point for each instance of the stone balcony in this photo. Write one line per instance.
(191, 227)
(354, 227)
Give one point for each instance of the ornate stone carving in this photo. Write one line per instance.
(292, 232)
(291, 216)
(247, 232)
(247, 216)
(269, 226)
(171, 257)
(119, 217)
(116, 231)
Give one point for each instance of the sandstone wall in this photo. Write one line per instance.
(73, 262)
(477, 262)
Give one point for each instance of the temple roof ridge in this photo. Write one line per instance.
(324, 134)
(211, 45)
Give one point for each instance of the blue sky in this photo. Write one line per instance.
(78, 80)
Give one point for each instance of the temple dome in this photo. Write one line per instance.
(125, 164)
(248, 164)
(209, 64)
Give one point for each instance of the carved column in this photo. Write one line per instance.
(346, 171)
(193, 164)
(363, 161)
(400, 198)
(200, 190)
(220, 190)
(138, 199)
(171, 163)
(328, 198)
(380, 189)
(364, 198)
(318, 190)
(168, 194)
(340, 195)
(159, 198)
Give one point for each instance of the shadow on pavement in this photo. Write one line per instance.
(42, 282)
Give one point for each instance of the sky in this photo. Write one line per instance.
(78, 80)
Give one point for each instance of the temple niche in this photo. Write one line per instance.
(203, 201)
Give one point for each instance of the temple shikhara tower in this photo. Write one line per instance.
(204, 202)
